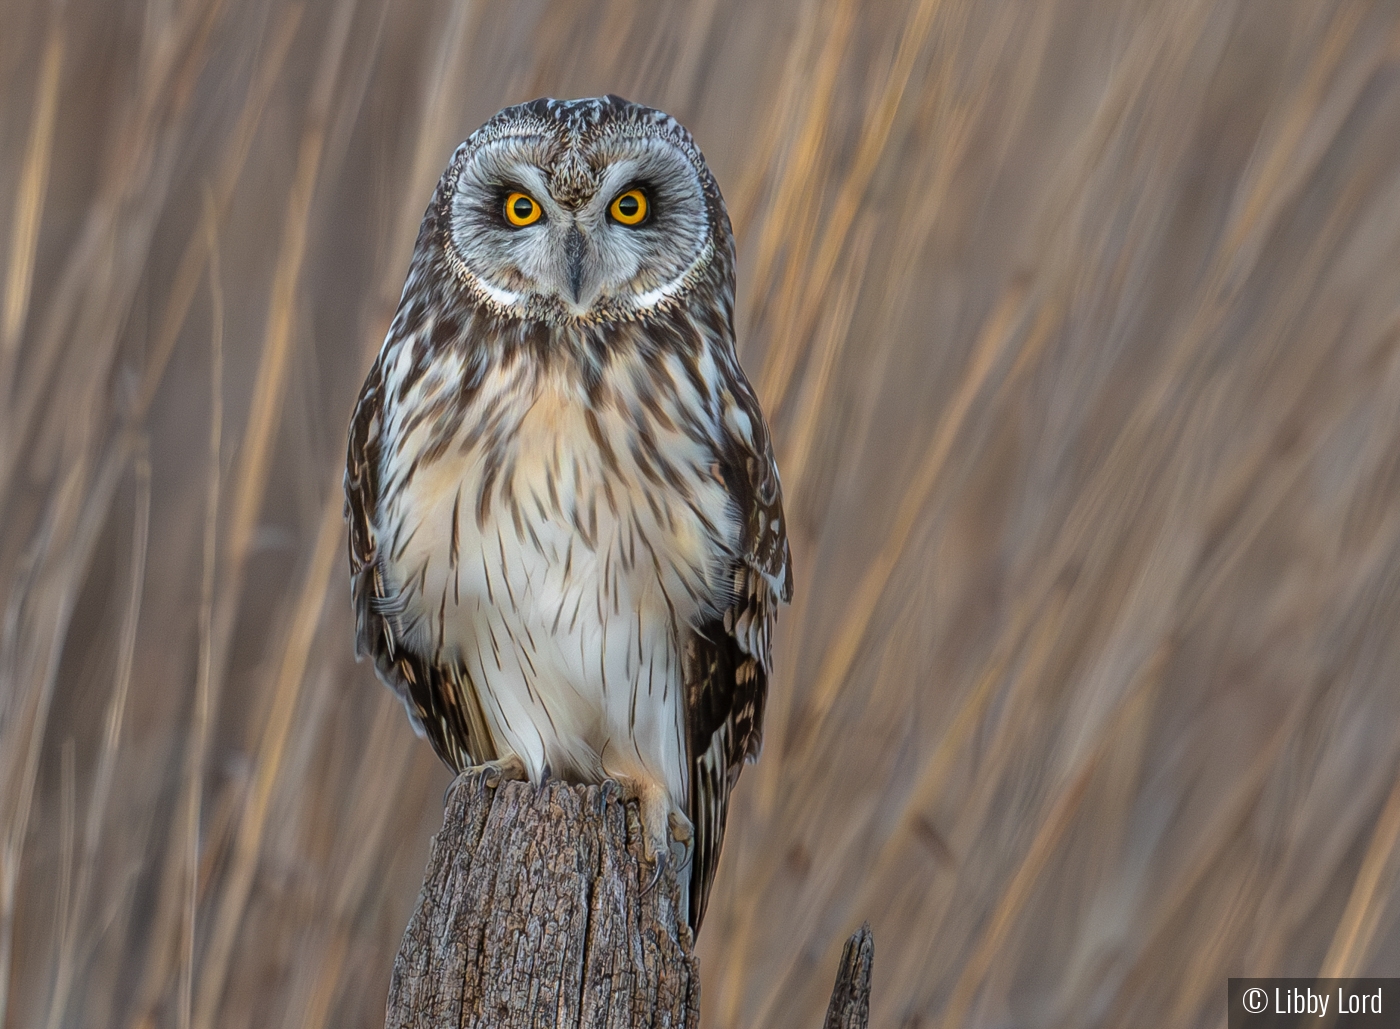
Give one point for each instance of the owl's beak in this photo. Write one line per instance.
(574, 250)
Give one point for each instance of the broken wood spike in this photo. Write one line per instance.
(850, 997)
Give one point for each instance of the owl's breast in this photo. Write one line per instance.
(566, 511)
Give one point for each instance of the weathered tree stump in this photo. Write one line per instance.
(533, 913)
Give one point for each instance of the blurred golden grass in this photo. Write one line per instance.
(1077, 322)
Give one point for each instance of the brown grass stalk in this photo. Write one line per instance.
(198, 748)
(29, 203)
(1356, 932)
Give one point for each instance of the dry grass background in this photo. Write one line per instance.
(1079, 324)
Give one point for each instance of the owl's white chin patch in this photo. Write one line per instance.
(511, 299)
(495, 294)
(504, 297)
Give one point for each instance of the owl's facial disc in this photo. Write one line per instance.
(616, 224)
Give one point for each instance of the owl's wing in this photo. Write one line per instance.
(439, 696)
(728, 657)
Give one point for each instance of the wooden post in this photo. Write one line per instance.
(532, 913)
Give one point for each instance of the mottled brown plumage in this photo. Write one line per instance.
(566, 531)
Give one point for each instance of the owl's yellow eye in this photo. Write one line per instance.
(522, 210)
(630, 208)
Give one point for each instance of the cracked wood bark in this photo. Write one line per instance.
(532, 913)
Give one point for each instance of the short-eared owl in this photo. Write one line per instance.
(566, 527)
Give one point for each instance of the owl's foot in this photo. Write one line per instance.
(683, 833)
(492, 772)
(680, 832)
(654, 806)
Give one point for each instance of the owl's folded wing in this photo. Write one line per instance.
(440, 699)
(729, 657)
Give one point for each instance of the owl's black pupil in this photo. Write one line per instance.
(523, 207)
(628, 206)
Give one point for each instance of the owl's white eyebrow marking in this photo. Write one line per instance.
(667, 289)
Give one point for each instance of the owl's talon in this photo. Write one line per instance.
(610, 790)
(662, 861)
(491, 773)
(683, 833)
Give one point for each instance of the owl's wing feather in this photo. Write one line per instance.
(729, 657)
(441, 700)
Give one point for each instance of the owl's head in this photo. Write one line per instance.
(582, 209)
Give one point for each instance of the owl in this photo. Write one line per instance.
(567, 543)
